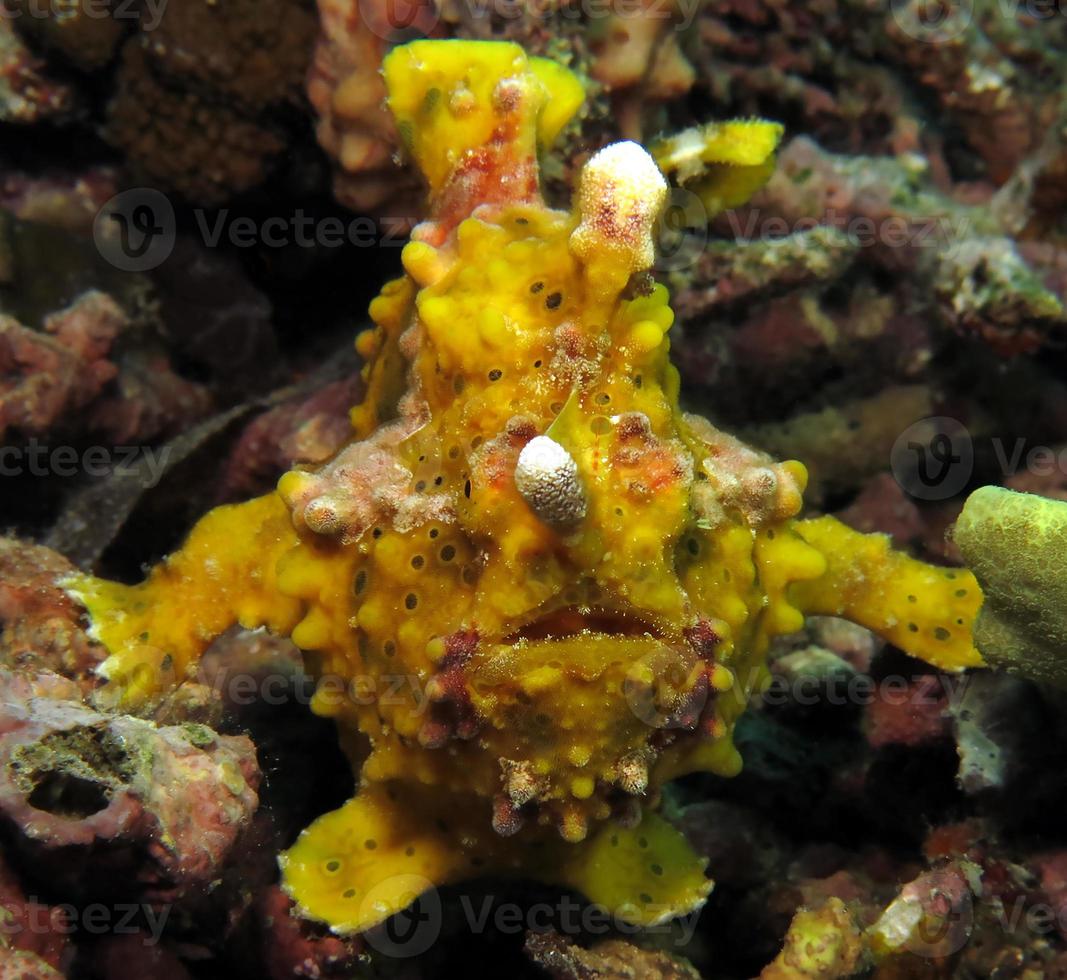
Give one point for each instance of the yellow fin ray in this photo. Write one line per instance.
(222, 575)
(927, 611)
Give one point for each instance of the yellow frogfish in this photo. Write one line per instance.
(532, 588)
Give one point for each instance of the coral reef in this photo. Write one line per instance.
(204, 96)
(94, 794)
(1012, 541)
(346, 90)
(962, 898)
(612, 959)
(68, 371)
(988, 70)
(27, 92)
(40, 627)
(973, 278)
(77, 31)
(34, 953)
(822, 942)
(660, 555)
(293, 948)
(629, 54)
(200, 97)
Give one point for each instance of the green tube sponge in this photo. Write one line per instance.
(1015, 545)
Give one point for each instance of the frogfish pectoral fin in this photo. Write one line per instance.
(224, 574)
(927, 611)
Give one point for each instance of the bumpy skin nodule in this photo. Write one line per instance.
(527, 666)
